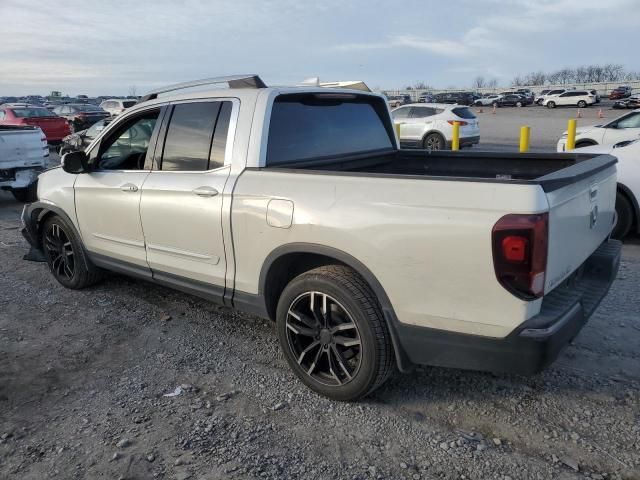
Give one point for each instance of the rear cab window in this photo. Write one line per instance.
(308, 126)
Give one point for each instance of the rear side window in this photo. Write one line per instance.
(464, 113)
(401, 113)
(32, 112)
(314, 125)
(421, 112)
(128, 103)
(193, 142)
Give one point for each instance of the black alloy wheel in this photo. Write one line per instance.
(59, 252)
(324, 338)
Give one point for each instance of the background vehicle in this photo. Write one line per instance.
(430, 125)
(489, 99)
(527, 93)
(628, 194)
(624, 128)
(524, 99)
(426, 97)
(80, 116)
(620, 92)
(538, 97)
(632, 102)
(117, 106)
(395, 101)
(487, 239)
(511, 100)
(54, 127)
(4, 100)
(23, 155)
(461, 98)
(595, 93)
(82, 139)
(578, 98)
(550, 93)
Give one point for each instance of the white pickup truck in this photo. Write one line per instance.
(23, 155)
(296, 204)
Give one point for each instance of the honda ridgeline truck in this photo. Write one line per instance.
(296, 204)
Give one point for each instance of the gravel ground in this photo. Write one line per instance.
(84, 374)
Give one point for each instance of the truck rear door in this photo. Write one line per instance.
(581, 215)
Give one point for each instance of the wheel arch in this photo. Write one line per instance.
(287, 261)
(626, 191)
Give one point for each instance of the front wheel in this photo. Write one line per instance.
(65, 256)
(518, 104)
(333, 333)
(551, 104)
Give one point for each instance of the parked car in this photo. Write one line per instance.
(577, 98)
(632, 102)
(628, 193)
(54, 127)
(4, 100)
(117, 106)
(512, 100)
(595, 93)
(80, 116)
(457, 259)
(489, 99)
(550, 93)
(426, 97)
(524, 99)
(527, 93)
(23, 155)
(460, 98)
(624, 128)
(538, 97)
(620, 92)
(430, 125)
(395, 101)
(82, 139)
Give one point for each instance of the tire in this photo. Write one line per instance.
(582, 104)
(518, 104)
(346, 358)
(433, 141)
(65, 255)
(551, 104)
(495, 104)
(624, 217)
(26, 195)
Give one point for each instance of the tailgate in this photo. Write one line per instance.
(581, 213)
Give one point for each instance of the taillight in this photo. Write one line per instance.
(519, 244)
(461, 122)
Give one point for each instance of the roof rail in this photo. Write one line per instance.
(234, 81)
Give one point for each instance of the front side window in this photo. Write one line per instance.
(630, 121)
(126, 147)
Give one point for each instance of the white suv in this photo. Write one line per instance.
(578, 98)
(430, 125)
(116, 106)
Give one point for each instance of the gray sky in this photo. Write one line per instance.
(106, 46)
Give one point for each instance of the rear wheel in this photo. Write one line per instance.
(582, 104)
(518, 104)
(333, 333)
(433, 141)
(65, 256)
(624, 217)
(551, 104)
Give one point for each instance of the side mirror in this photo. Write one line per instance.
(75, 162)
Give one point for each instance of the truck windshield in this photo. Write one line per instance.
(308, 126)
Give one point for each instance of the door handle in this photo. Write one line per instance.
(205, 191)
(129, 187)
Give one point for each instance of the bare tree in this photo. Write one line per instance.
(493, 83)
(535, 78)
(517, 81)
(133, 91)
(479, 82)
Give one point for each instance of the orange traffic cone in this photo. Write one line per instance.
(480, 111)
(600, 114)
(579, 113)
(494, 110)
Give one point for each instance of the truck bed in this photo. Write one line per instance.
(550, 170)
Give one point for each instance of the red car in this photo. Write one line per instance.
(620, 92)
(55, 128)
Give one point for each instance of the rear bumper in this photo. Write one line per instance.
(534, 344)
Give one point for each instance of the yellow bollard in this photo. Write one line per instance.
(525, 132)
(397, 128)
(571, 134)
(455, 141)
